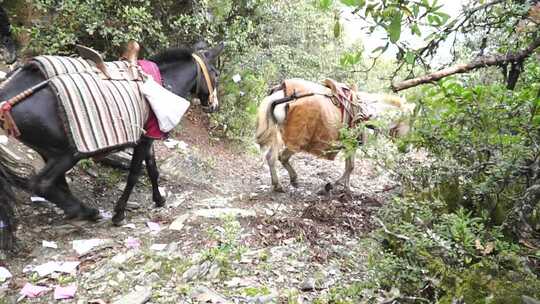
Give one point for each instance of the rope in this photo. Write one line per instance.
(5, 108)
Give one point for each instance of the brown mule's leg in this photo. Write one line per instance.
(345, 179)
(153, 174)
(284, 158)
(139, 154)
(271, 159)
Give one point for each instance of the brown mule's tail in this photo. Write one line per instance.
(268, 134)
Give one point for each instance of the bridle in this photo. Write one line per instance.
(202, 67)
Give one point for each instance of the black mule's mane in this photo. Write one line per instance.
(173, 55)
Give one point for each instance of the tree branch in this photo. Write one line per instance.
(481, 62)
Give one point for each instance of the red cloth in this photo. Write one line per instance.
(152, 127)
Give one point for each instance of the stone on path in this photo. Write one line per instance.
(83, 247)
(141, 295)
(203, 294)
(4, 274)
(308, 284)
(222, 212)
(178, 223)
(121, 258)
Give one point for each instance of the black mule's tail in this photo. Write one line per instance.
(7, 215)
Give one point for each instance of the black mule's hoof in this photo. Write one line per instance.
(118, 220)
(160, 202)
(90, 214)
(278, 189)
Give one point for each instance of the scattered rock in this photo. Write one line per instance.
(133, 206)
(51, 267)
(4, 274)
(141, 295)
(196, 271)
(307, 285)
(158, 247)
(178, 223)
(222, 212)
(204, 294)
(214, 272)
(270, 298)
(215, 202)
(121, 258)
(120, 160)
(83, 247)
(239, 282)
(47, 244)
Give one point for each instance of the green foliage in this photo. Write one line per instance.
(286, 39)
(104, 25)
(228, 248)
(442, 256)
(484, 136)
(457, 234)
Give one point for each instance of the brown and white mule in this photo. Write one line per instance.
(302, 117)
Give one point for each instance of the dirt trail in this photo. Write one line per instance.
(232, 239)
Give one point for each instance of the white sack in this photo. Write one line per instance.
(168, 107)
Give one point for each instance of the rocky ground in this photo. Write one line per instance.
(223, 237)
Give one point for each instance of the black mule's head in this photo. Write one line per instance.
(207, 78)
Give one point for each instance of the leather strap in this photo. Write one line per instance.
(204, 69)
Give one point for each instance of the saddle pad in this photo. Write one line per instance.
(52, 66)
(98, 114)
(352, 109)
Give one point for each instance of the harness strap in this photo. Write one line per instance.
(206, 74)
(5, 108)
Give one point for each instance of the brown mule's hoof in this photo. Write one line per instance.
(326, 189)
(294, 183)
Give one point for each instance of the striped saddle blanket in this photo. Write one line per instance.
(99, 114)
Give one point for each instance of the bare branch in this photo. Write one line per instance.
(399, 236)
(481, 62)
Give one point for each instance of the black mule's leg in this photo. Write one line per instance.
(139, 154)
(45, 185)
(153, 174)
(85, 212)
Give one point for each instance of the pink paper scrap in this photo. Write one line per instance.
(133, 243)
(33, 291)
(67, 292)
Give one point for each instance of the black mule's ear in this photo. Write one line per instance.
(213, 53)
(200, 46)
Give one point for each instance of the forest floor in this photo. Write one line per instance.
(223, 237)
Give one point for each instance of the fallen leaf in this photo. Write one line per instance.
(489, 248)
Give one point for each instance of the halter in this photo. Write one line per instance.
(202, 67)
